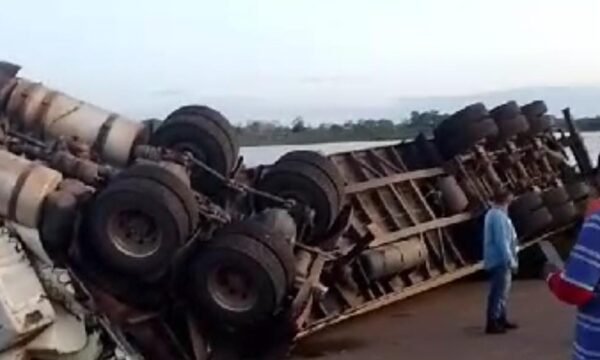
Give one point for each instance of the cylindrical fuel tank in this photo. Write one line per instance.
(453, 196)
(23, 187)
(47, 113)
(392, 259)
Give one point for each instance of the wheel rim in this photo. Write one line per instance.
(232, 289)
(135, 233)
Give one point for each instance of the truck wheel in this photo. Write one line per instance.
(581, 206)
(59, 215)
(564, 213)
(135, 226)
(510, 121)
(555, 196)
(413, 159)
(534, 109)
(217, 118)
(236, 281)
(473, 112)
(485, 128)
(508, 110)
(531, 223)
(324, 164)
(305, 184)
(428, 151)
(463, 130)
(276, 239)
(540, 124)
(578, 190)
(525, 203)
(459, 140)
(205, 139)
(172, 181)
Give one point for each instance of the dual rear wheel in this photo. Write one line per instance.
(136, 224)
(207, 135)
(241, 277)
(308, 178)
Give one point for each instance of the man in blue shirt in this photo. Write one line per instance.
(500, 260)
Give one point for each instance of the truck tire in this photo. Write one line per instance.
(563, 214)
(216, 117)
(171, 181)
(306, 185)
(202, 137)
(533, 222)
(428, 151)
(457, 121)
(506, 111)
(324, 164)
(540, 124)
(555, 196)
(272, 239)
(578, 190)
(453, 141)
(509, 119)
(581, 206)
(135, 226)
(413, 158)
(534, 109)
(485, 128)
(525, 203)
(59, 215)
(473, 112)
(236, 281)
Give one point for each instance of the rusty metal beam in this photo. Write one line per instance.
(392, 179)
(422, 228)
(391, 298)
(413, 290)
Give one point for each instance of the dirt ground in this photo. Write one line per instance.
(448, 324)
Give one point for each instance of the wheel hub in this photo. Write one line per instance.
(232, 289)
(135, 233)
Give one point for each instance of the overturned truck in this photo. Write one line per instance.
(123, 239)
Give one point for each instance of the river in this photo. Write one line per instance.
(256, 155)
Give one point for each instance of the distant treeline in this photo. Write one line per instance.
(298, 132)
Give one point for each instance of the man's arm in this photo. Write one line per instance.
(567, 292)
(576, 284)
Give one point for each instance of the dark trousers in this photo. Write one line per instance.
(500, 281)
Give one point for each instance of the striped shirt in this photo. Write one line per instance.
(583, 271)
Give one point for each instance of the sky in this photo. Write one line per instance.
(271, 59)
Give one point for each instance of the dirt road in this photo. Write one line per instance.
(447, 324)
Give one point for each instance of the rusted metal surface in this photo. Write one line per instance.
(370, 227)
(393, 203)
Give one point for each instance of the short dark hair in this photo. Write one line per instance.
(501, 196)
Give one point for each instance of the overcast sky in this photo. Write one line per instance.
(143, 57)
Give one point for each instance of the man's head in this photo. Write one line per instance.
(502, 198)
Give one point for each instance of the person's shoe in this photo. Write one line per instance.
(509, 325)
(495, 328)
